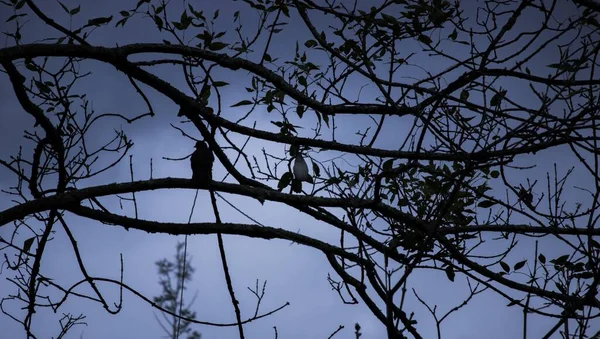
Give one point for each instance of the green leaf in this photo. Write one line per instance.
(497, 98)
(124, 13)
(387, 165)
(464, 95)
(560, 260)
(326, 119)
(42, 87)
(519, 265)
(450, 273)
(452, 36)
(27, 244)
(217, 46)
(310, 43)
(285, 180)
(512, 303)
(542, 258)
(300, 111)
(316, 169)
(158, 21)
(61, 5)
(505, 266)
(141, 2)
(302, 81)
(14, 16)
(121, 22)
(220, 83)
(75, 10)
(242, 103)
(425, 39)
(99, 21)
(486, 204)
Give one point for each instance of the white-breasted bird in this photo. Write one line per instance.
(300, 172)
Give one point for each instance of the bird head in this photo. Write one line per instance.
(201, 145)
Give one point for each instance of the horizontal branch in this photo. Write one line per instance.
(74, 197)
(117, 56)
(248, 230)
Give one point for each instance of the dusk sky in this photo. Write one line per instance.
(294, 273)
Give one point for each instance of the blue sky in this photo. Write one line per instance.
(294, 273)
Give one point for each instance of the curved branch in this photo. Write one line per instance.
(248, 230)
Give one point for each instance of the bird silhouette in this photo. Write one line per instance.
(202, 162)
(300, 173)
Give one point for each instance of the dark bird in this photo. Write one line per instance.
(525, 196)
(202, 162)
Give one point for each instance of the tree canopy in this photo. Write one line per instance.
(452, 149)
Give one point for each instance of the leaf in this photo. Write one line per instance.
(141, 2)
(300, 111)
(61, 5)
(158, 21)
(27, 244)
(99, 21)
(452, 36)
(512, 303)
(285, 180)
(542, 258)
(387, 165)
(42, 87)
(425, 39)
(326, 119)
(121, 22)
(505, 266)
(220, 83)
(494, 174)
(242, 103)
(560, 260)
(486, 204)
(75, 10)
(519, 265)
(464, 95)
(450, 273)
(302, 81)
(316, 169)
(497, 98)
(217, 46)
(14, 16)
(310, 43)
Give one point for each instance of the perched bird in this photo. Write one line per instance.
(300, 173)
(202, 162)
